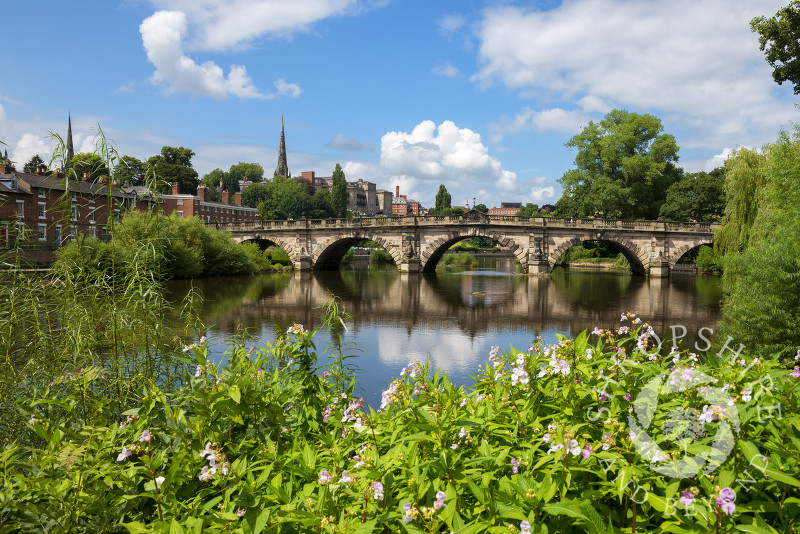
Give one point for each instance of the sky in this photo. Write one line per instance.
(478, 95)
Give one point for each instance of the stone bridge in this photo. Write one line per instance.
(417, 243)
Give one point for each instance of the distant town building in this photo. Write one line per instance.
(506, 209)
(228, 210)
(403, 206)
(363, 197)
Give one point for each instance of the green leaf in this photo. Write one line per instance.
(235, 394)
(755, 529)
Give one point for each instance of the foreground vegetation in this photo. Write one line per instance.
(576, 437)
(172, 247)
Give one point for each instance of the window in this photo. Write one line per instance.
(41, 192)
(74, 213)
(21, 230)
(116, 213)
(180, 214)
(91, 213)
(93, 231)
(180, 202)
(58, 235)
(4, 235)
(20, 209)
(42, 210)
(105, 234)
(42, 232)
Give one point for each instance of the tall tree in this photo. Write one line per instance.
(88, 165)
(174, 164)
(624, 165)
(762, 255)
(130, 170)
(250, 171)
(442, 198)
(779, 39)
(34, 164)
(339, 192)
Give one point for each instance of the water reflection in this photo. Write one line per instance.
(453, 318)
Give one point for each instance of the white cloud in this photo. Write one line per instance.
(28, 146)
(447, 70)
(127, 88)
(451, 24)
(549, 120)
(659, 56)
(229, 24)
(162, 35)
(444, 154)
(2, 114)
(342, 142)
(284, 88)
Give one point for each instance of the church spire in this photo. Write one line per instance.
(70, 151)
(283, 168)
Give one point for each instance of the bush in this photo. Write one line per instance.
(708, 261)
(573, 437)
(459, 259)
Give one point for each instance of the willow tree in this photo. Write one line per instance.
(761, 241)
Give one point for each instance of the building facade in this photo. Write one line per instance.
(506, 209)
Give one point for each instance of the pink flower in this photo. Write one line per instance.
(377, 489)
(324, 477)
(207, 473)
(438, 504)
(525, 528)
(241, 511)
(145, 436)
(587, 452)
(207, 451)
(514, 466)
(795, 373)
(124, 454)
(687, 498)
(725, 500)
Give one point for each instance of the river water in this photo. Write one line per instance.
(452, 318)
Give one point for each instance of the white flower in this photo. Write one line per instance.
(574, 447)
(658, 457)
(207, 451)
(708, 414)
(546, 438)
(159, 480)
(346, 479)
(463, 433)
(124, 454)
(747, 394)
(589, 354)
(207, 473)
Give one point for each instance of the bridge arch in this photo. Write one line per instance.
(633, 253)
(681, 250)
(283, 243)
(328, 253)
(434, 251)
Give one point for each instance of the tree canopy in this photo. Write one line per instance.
(212, 181)
(286, 198)
(34, 164)
(696, 197)
(129, 169)
(90, 165)
(339, 192)
(250, 171)
(443, 199)
(779, 39)
(624, 165)
(761, 241)
(175, 165)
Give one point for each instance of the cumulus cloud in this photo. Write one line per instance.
(28, 146)
(162, 35)
(444, 154)
(550, 120)
(342, 142)
(657, 55)
(450, 24)
(2, 114)
(447, 70)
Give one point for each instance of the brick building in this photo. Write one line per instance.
(363, 197)
(210, 212)
(403, 206)
(506, 209)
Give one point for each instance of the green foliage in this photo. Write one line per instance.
(696, 197)
(173, 247)
(339, 193)
(744, 185)
(380, 257)
(34, 164)
(246, 171)
(285, 198)
(779, 39)
(761, 240)
(482, 208)
(442, 199)
(475, 243)
(212, 181)
(129, 170)
(174, 165)
(457, 259)
(707, 260)
(266, 443)
(624, 166)
(91, 165)
(528, 210)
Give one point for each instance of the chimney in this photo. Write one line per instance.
(6, 168)
(237, 198)
(226, 197)
(174, 188)
(201, 192)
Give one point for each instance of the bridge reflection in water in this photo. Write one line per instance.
(454, 317)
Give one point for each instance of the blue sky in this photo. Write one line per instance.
(477, 95)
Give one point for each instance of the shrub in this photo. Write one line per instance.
(599, 437)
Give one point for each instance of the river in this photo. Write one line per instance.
(452, 318)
